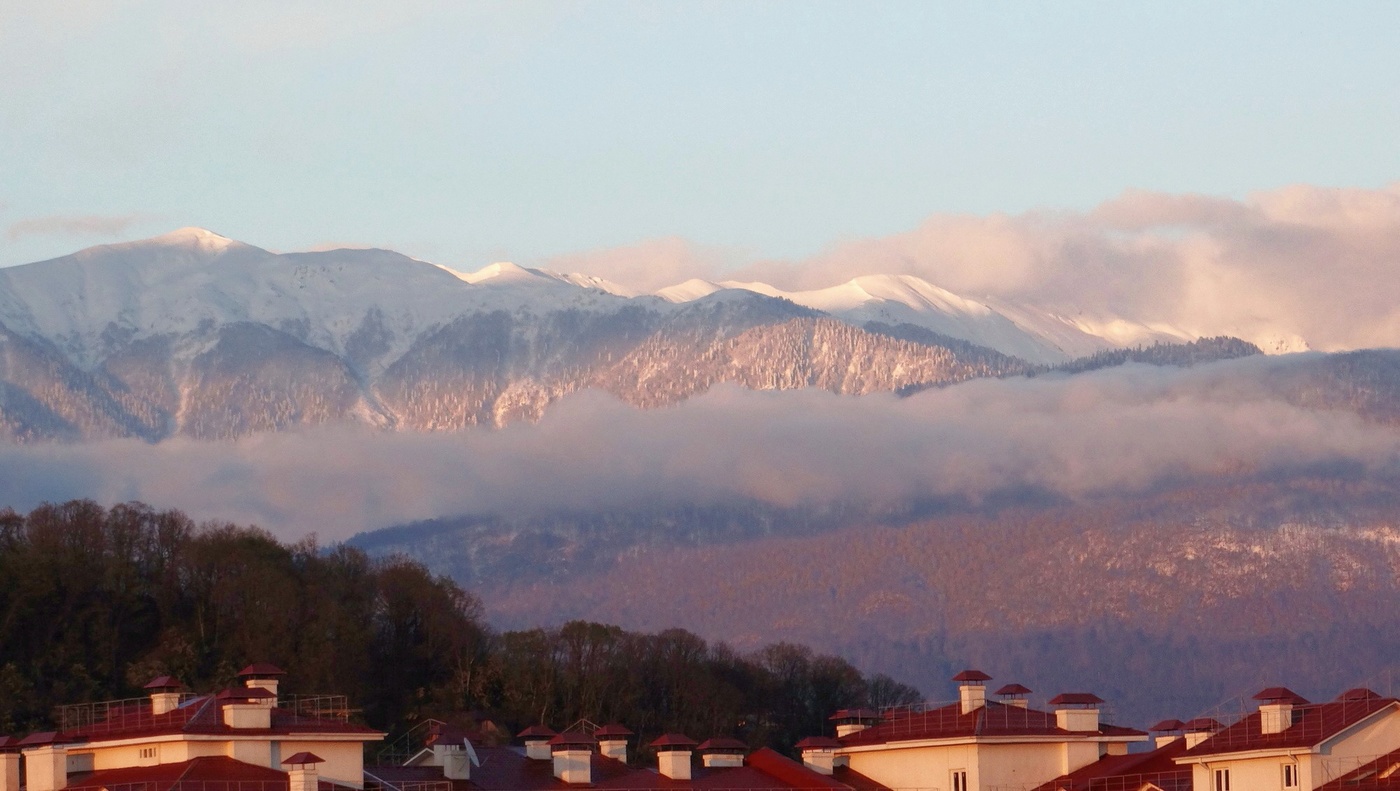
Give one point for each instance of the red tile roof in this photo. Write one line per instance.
(818, 743)
(673, 741)
(8, 744)
(208, 769)
(1313, 724)
(614, 731)
(1169, 725)
(1013, 689)
(163, 682)
(573, 739)
(1376, 775)
(1281, 695)
(1076, 699)
(303, 759)
(991, 719)
(506, 769)
(972, 675)
(245, 693)
(721, 744)
(201, 714)
(1129, 772)
(536, 732)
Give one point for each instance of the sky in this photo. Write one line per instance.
(471, 132)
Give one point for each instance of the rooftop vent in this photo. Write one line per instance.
(1167, 732)
(573, 757)
(1200, 729)
(165, 694)
(819, 754)
(1276, 709)
(262, 675)
(537, 742)
(722, 751)
(1077, 711)
(1014, 695)
(612, 741)
(849, 721)
(972, 689)
(249, 707)
(301, 771)
(673, 754)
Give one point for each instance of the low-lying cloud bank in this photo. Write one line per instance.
(1297, 263)
(1120, 430)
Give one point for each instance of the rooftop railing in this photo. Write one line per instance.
(117, 715)
(931, 720)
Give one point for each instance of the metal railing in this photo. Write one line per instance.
(117, 715)
(317, 707)
(930, 720)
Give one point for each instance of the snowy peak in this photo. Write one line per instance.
(504, 273)
(201, 238)
(689, 291)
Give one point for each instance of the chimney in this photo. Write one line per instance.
(1276, 709)
(454, 760)
(1077, 711)
(165, 694)
(972, 689)
(262, 675)
(1167, 732)
(1200, 729)
(537, 742)
(248, 707)
(819, 754)
(9, 763)
(722, 752)
(301, 772)
(612, 742)
(673, 752)
(573, 757)
(45, 763)
(849, 721)
(1013, 695)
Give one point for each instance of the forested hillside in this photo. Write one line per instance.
(94, 602)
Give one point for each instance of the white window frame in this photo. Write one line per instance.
(957, 780)
(1290, 776)
(1222, 780)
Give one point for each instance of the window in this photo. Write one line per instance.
(959, 780)
(148, 752)
(1290, 776)
(1222, 780)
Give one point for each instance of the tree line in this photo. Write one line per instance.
(96, 601)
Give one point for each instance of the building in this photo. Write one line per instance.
(1289, 743)
(976, 744)
(249, 737)
(602, 759)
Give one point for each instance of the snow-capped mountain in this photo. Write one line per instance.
(194, 333)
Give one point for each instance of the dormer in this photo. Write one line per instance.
(537, 742)
(722, 751)
(972, 689)
(1276, 709)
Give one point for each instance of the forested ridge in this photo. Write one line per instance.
(94, 602)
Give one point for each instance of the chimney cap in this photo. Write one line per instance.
(1076, 699)
(818, 743)
(1013, 689)
(613, 730)
(855, 714)
(536, 733)
(1169, 725)
(8, 744)
(261, 670)
(1358, 693)
(244, 693)
(573, 739)
(673, 741)
(1203, 724)
(1280, 695)
(39, 738)
(163, 682)
(972, 676)
(304, 759)
(723, 744)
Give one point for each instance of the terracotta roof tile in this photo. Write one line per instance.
(303, 759)
(721, 744)
(1313, 724)
(1132, 771)
(972, 675)
(207, 769)
(991, 719)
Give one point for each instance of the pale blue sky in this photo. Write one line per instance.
(471, 132)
